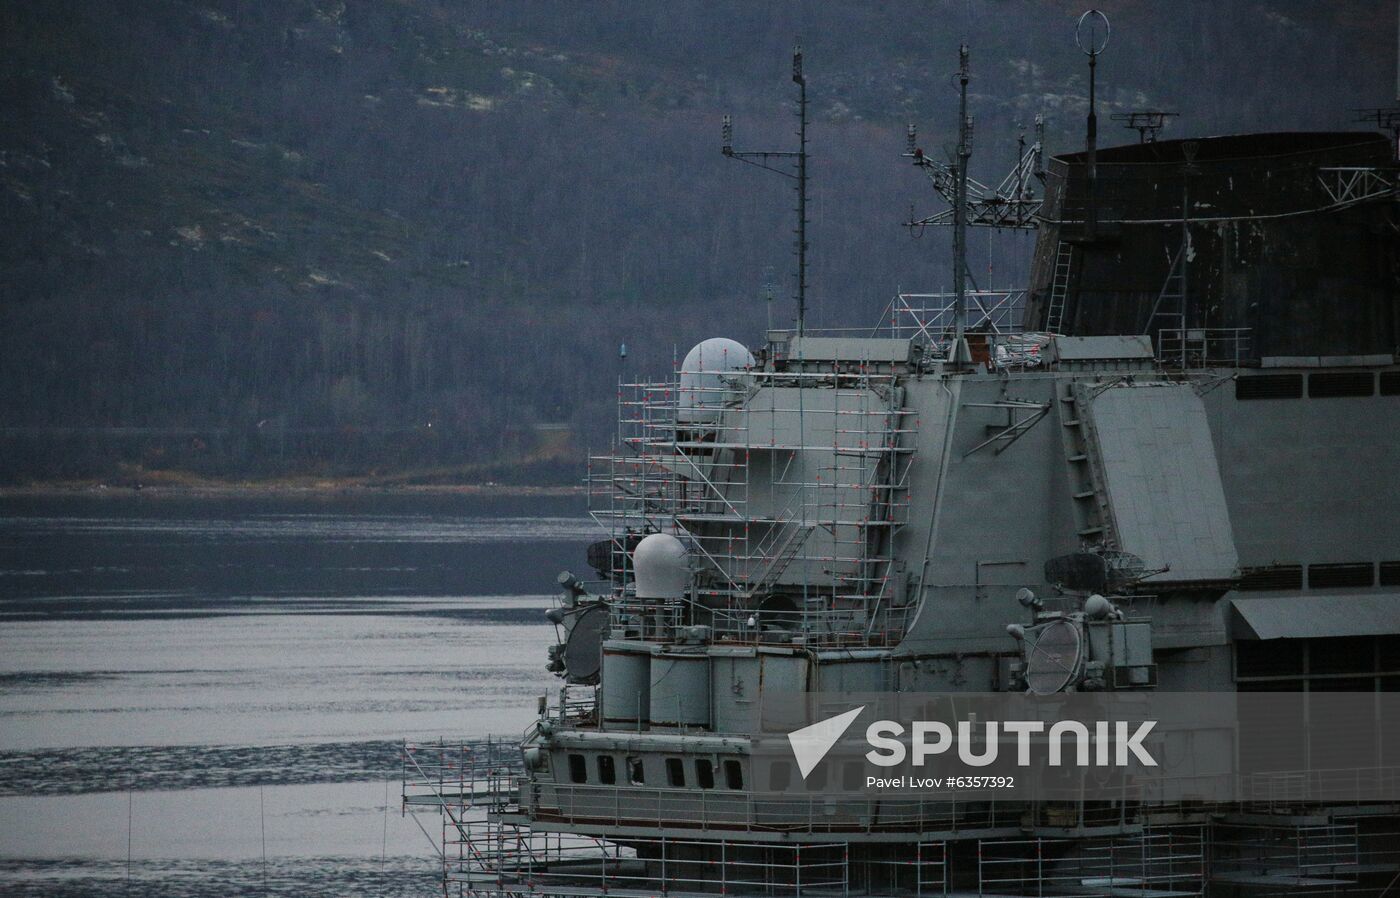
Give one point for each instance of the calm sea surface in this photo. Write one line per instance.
(205, 696)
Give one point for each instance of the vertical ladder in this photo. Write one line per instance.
(1092, 522)
(1171, 340)
(1059, 287)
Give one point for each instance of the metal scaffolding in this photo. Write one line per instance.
(500, 839)
(788, 487)
(930, 316)
(1307, 854)
(1161, 862)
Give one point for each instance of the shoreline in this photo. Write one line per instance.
(217, 490)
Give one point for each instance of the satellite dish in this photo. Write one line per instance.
(1055, 660)
(1091, 34)
(583, 647)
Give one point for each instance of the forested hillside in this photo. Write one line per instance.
(405, 239)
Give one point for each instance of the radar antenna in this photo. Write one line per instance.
(1010, 204)
(765, 159)
(1056, 659)
(1146, 122)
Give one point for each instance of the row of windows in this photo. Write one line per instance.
(1346, 663)
(605, 768)
(1325, 385)
(1321, 576)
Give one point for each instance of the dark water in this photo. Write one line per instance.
(208, 677)
(104, 556)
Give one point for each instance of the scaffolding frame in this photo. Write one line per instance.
(1162, 862)
(816, 527)
(503, 838)
(464, 781)
(932, 316)
(511, 860)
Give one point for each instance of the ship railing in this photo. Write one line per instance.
(827, 627)
(1272, 790)
(930, 318)
(641, 806)
(1203, 347)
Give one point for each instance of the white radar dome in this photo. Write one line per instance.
(659, 562)
(703, 389)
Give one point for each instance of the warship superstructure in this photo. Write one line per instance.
(1192, 411)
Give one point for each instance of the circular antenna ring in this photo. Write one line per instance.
(1054, 661)
(1092, 33)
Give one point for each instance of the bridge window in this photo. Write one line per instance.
(1342, 655)
(705, 773)
(636, 771)
(1390, 573)
(1273, 576)
(1334, 663)
(733, 774)
(1334, 576)
(1341, 383)
(578, 769)
(1270, 386)
(607, 770)
(1274, 658)
(675, 773)
(1390, 383)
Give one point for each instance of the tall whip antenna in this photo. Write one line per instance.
(765, 159)
(958, 354)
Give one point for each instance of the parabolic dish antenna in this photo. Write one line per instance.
(1055, 660)
(1091, 34)
(583, 649)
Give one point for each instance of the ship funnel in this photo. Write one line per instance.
(662, 572)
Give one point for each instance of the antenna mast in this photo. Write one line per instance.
(1010, 204)
(764, 159)
(959, 354)
(1086, 34)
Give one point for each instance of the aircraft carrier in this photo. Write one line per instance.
(1174, 453)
